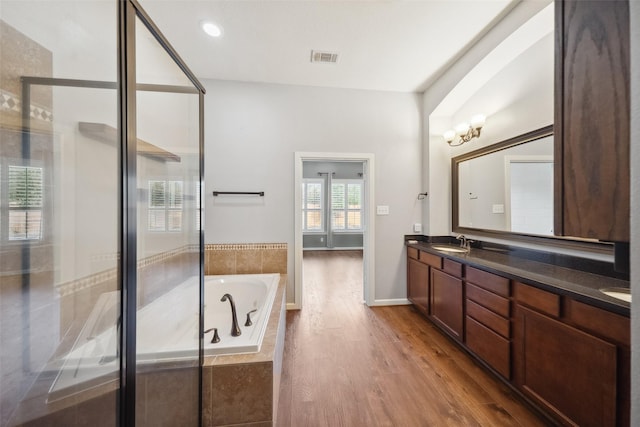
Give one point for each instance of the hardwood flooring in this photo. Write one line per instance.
(346, 364)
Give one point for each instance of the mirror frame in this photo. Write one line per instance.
(556, 241)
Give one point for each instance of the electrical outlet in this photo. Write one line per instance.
(382, 210)
(417, 228)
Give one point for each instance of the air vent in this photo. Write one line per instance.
(325, 57)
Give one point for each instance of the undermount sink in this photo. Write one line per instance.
(623, 294)
(452, 249)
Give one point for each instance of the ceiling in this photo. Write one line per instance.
(388, 45)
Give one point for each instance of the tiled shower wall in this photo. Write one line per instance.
(245, 258)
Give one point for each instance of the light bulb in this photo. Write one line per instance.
(478, 120)
(449, 135)
(462, 128)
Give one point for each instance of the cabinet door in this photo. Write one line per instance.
(591, 129)
(446, 302)
(570, 372)
(418, 284)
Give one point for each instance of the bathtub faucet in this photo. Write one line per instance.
(235, 329)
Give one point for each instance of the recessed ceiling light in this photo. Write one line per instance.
(212, 29)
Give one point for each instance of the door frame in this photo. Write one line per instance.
(368, 238)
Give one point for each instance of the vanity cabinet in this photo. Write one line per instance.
(576, 373)
(447, 298)
(417, 282)
(569, 358)
(487, 321)
(592, 119)
(418, 277)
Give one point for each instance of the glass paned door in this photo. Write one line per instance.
(59, 214)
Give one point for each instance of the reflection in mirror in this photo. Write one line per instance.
(507, 186)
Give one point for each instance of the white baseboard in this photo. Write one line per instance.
(378, 302)
(398, 301)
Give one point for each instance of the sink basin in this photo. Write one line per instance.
(452, 249)
(623, 294)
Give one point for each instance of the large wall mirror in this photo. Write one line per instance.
(507, 186)
(505, 190)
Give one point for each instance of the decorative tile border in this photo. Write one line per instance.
(243, 246)
(86, 282)
(12, 102)
(91, 280)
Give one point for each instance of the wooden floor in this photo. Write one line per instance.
(346, 364)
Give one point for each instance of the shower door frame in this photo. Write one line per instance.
(128, 12)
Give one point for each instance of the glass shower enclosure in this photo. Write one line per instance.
(101, 167)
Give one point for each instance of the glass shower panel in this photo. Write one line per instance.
(59, 214)
(168, 239)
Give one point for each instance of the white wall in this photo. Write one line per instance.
(518, 99)
(252, 132)
(437, 170)
(634, 8)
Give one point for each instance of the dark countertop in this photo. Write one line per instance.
(579, 285)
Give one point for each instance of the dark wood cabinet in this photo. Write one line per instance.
(571, 358)
(418, 284)
(592, 119)
(492, 348)
(571, 373)
(488, 324)
(419, 264)
(447, 302)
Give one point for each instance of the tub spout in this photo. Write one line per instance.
(235, 329)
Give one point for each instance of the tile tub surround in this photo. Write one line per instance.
(72, 302)
(243, 389)
(245, 258)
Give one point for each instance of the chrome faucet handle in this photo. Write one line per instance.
(469, 242)
(463, 240)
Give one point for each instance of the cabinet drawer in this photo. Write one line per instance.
(601, 322)
(542, 301)
(452, 267)
(491, 347)
(489, 300)
(489, 281)
(488, 318)
(412, 253)
(430, 259)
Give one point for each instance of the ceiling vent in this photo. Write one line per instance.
(325, 57)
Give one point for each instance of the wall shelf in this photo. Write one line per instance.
(108, 134)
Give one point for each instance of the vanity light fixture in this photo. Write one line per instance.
(212, 29)
(465, 131)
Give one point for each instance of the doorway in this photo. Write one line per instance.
(529, 194)
(333, 203)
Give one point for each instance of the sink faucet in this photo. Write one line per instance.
(464, 242)
(235, 329)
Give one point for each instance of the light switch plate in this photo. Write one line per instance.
(417, 228)
(382, 210)
(498, 209)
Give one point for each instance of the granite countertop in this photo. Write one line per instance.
(579, 285)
